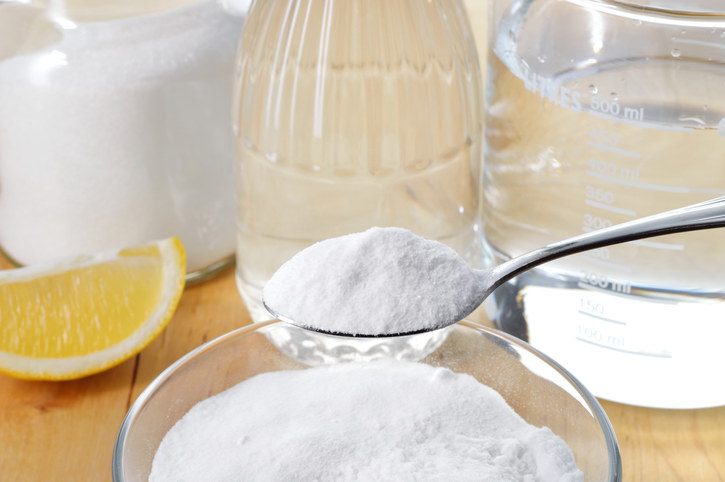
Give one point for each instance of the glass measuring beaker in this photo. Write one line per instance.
(599, 112)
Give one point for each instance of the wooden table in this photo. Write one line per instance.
(65, 431)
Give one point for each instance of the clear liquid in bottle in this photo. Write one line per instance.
(350, 115)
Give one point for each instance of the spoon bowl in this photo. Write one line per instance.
(706, 215)
(323, 331)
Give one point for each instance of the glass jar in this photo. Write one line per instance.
(115, 129)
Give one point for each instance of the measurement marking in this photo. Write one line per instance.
(609, 264)
(647, 125)
(655, 244)
(654, 187)
(586, 286)
(631, 352)
(698, 42)
(603, 318)
(589, 287)
(617, 150)
(607, 207)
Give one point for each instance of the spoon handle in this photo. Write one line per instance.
(705, 215)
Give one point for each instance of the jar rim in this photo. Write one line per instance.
(673, 7)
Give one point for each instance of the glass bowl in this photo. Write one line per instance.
(537, 388)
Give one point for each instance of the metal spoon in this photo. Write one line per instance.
(706, 215)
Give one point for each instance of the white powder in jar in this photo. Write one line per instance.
(381, 281)
(118, 132)
(384, 420)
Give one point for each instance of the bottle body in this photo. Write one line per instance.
(361, 114)
(582, 136)
(116, 131)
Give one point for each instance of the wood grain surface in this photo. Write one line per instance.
(65, 431)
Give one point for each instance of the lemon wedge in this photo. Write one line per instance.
(75, 317)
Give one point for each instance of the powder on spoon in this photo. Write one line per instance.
(384, 420)
(382, 281)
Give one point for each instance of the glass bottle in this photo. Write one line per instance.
(353, 114)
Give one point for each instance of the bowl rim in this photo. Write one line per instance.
(615, 459)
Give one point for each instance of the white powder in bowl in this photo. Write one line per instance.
(385, 420)
(381, 281)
